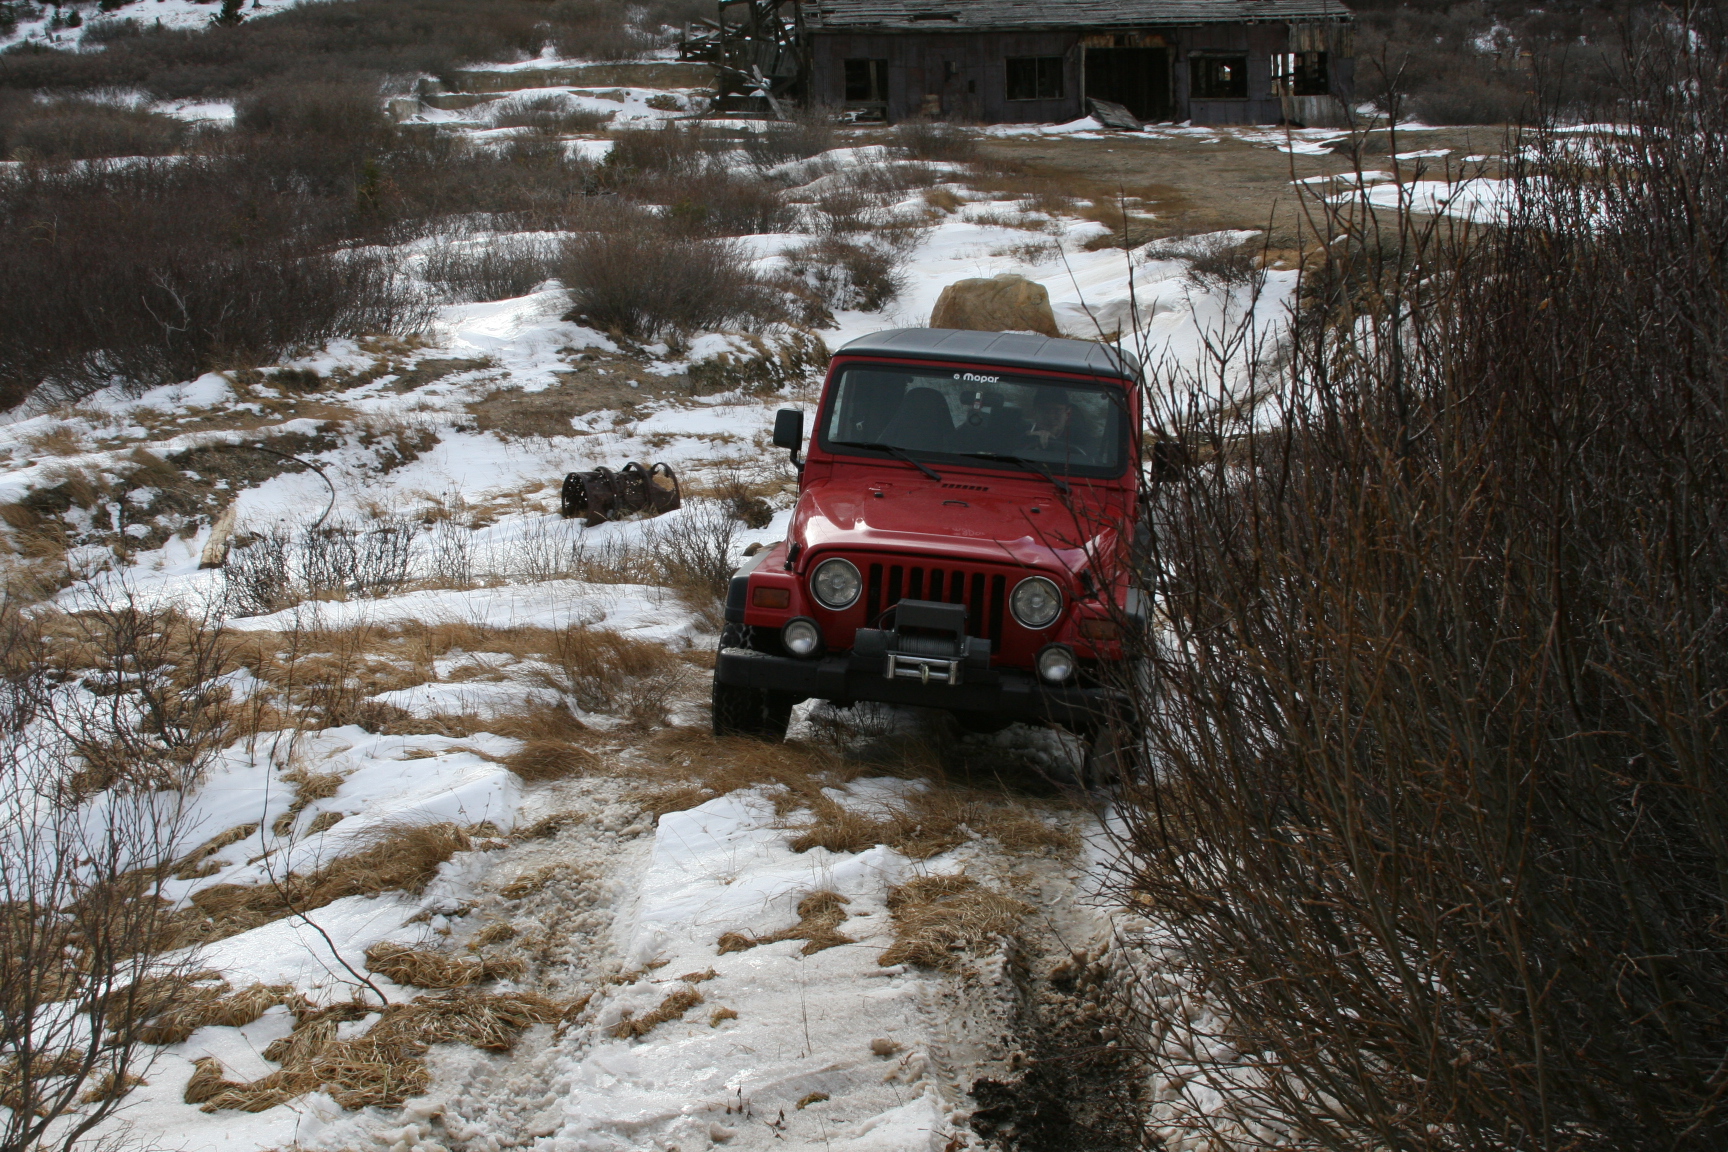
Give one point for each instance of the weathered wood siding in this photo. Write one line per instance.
(964, 74)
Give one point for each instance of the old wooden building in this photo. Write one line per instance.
(1026, 61)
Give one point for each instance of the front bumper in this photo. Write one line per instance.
(846, 678)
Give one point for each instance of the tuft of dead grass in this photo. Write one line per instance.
(187, 868)
(495, 933)
(424, 969)
(677, 1003)
(384, 1066)
(218, 1006)
(694, 766)
(820, 915)
(403, 857)
(720, 1015)
(939, 918)
(110, 1086)
(541, 760)
(930, 822)
(308, 787)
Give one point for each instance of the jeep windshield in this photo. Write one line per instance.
(978, 419)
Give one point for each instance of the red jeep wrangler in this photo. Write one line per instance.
(961, 541)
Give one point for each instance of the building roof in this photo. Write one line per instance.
(1000, 349)
(960, 15)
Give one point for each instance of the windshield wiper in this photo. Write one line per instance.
(1024, 462)
(897, 453)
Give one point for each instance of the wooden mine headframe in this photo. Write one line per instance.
(760, 52)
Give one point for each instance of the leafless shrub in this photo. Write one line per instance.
(1217, 263)
(140, 279)
(846, 274)
(81, 922)
(1433, 827)
(668, 148)
(642, 281)
(549, 115)
(921, 139)
(255, 577)
(496, 268)
(810, 132)
(81, 129)
(714, 201)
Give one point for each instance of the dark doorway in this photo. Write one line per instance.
(1136, 78)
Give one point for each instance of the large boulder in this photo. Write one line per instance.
(1005, 303)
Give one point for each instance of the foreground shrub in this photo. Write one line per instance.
(1435, 823)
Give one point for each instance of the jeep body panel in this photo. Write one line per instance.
(965, 540)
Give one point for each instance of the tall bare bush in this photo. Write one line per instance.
(1437, 821)
(92, 780)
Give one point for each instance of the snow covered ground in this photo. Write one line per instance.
(757, 1046)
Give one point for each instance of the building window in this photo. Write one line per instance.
(867, 80)
(1218, 77)
(1034, 77)
(1301, 73)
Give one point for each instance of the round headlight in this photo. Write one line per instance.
(801, 636)
(836, 584)
(1036, 602)
(1055, 663)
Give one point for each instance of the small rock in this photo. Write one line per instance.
(719, 1133)
(884, 1047)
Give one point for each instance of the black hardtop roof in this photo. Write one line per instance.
(999, 349)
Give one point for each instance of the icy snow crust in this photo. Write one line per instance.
(662, 894)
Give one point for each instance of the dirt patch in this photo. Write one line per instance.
(597, 381)
(1076, 1087)
(1179, 186)
(427, 371)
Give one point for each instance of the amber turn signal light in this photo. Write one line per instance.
(771, 597)
(1096, 628)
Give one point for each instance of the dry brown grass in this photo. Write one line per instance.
(820, 915)
(384, 1066)
(692, 766)
(720, 1015)
(109, 1086)
(404, 857)
(939, 918)
(200, 1007)
(930, 822)
(61, 440)
(308, 787)
(423, 969)
(187, 868)
(540, 760)
(495, 933)
(615, 674)
(673, 1007)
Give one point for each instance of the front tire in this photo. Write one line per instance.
(759, 713)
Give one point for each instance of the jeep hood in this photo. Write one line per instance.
(1012, 519)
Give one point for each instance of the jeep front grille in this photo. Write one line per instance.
(985, 594)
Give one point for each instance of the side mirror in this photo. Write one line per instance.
(789, 432)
